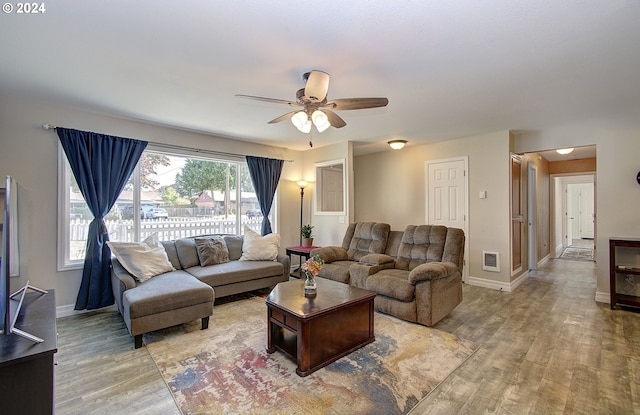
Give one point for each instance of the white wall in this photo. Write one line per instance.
(29, 153)
(390, 188)
(618, 194)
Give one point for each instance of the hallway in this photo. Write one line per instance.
(579, 250)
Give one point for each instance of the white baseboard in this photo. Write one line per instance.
(603, 297)
(559, 249)
(498, 285)
(544, 260)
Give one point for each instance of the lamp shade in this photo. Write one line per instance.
(320, 120)
(301, 120)
(397, 144)
(302, 184)
(564, 150)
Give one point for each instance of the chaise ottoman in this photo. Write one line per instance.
(166, 300)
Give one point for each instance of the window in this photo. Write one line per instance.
(175, 194)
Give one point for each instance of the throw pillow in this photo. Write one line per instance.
(256, 247)
(144, 259)
(212, 251)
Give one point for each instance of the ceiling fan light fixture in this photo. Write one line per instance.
(301, 121)
(320, 120)
(564, 150)
(397, 144)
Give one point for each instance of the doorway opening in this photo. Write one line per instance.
(575, 219)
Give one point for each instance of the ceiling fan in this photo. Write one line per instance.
(311, 105)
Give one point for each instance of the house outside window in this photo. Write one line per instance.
(174, 194)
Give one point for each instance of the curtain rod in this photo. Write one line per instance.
(171, 146)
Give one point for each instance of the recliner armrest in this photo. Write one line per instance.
(432, 271)
(330, 254)
(377, 259)
(359, 271)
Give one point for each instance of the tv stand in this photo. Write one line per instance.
(28, 287)
(26, 369)
(21, 292)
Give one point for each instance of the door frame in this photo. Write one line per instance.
(516, 218)
(465, 228)
(532, 213)
(558, 220)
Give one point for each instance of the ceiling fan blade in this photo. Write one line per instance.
(272, 100)
(317, 86)
(357, 103)
(334, 119)
(282, 117)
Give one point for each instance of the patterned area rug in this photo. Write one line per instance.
(226, 370)
(581, 254)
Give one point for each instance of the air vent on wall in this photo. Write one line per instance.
(491, 261)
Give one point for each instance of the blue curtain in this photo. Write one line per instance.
(102, 165)
(265, 175)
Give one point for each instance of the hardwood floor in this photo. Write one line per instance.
(99, 371)
(547, 348)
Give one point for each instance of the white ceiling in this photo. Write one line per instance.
(450, 68)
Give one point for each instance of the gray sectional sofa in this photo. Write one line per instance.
(416, 273)
(188, 292)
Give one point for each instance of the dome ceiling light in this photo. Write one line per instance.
(397, 144)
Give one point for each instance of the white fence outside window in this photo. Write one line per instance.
(167, 229)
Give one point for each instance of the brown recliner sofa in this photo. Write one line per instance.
(418, 276)
(360, 239)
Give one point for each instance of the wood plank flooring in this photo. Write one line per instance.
(99, 371)
(547, 348)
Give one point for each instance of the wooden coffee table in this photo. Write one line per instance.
(320, 330)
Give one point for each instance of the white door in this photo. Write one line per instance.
(447, 197)
(586, 210)
(571, 214)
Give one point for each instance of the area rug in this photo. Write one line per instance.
(581, 254)
(226, 370)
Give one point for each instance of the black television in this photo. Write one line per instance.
(10, 304)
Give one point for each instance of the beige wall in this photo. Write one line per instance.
(390, 187)
(29, 153)
(618, 194)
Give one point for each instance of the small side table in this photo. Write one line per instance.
(301, 251)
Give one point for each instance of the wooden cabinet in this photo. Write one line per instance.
(26, 368)
(624, 271)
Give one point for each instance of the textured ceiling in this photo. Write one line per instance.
(449, 68)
